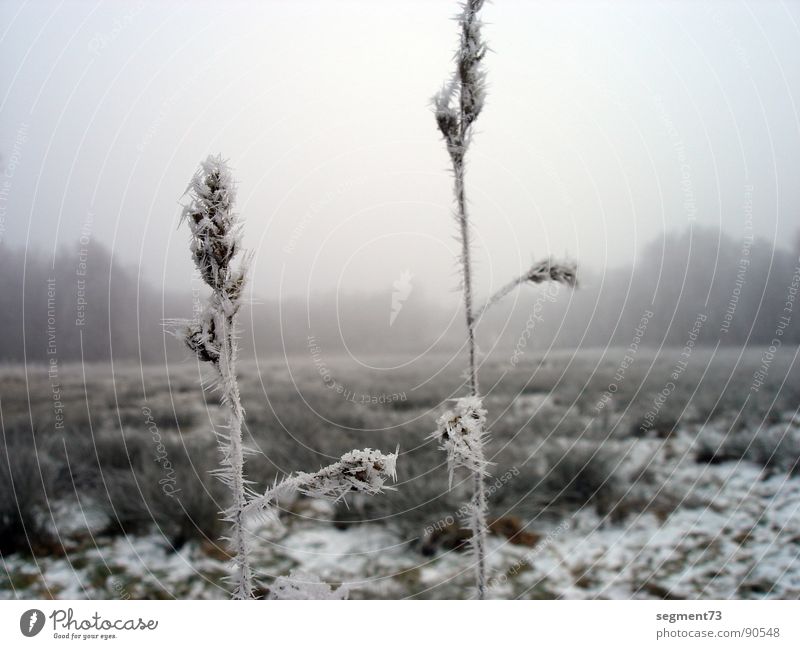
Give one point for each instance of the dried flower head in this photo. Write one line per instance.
(553, 270)
(216, 233)
(214, 225)
(471, 76)
(365, 471)
(461, 433)
(467, 85)
(544, 270)
(200, 336)
(447, 119)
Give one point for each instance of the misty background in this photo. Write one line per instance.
(123, 317)
(644, 430)
(653, 144)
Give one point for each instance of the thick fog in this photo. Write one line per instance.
(607, 125)
(578, 381)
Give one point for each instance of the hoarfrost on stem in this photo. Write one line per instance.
(461, 434)
(215, 237)
(360, 471)
(457, 106)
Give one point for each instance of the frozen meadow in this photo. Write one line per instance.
(585, 501)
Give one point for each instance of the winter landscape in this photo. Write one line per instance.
(700, 502)
(421, 300)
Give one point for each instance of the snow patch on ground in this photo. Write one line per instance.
(729, 530)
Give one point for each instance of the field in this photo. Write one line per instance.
(655, 476)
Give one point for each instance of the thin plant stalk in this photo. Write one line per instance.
(215, 243)
(466, 90)
(242, 577)
(461, 431)
(545, 270)
(478, 505)
(216, 233)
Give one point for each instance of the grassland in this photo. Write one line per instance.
(612, 477)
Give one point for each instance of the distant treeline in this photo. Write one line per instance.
(76, 305)
(700, 287)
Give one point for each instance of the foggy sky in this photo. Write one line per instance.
(606, 124)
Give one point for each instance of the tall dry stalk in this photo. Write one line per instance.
(467, 89)
(461, 431)
(216, 234)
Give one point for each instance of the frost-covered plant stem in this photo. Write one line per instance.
(216, 234)
(215, 241)
(546, 270)
(455, 123)
(466, 274)
(461, 431)
(478, 504)
(365, 471)
(234, 457)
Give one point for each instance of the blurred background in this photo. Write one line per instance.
(645, 427)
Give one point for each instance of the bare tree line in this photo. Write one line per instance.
(742, 289)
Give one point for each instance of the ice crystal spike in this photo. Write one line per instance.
(461, 434)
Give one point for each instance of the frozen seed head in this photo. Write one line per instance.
(200, 336)
(214, 225)
(552, 270)
(458, 104)
(471, 76)
(545, 270)
(215, 237)
(364, 471)
(447, 118)
(461, 433)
